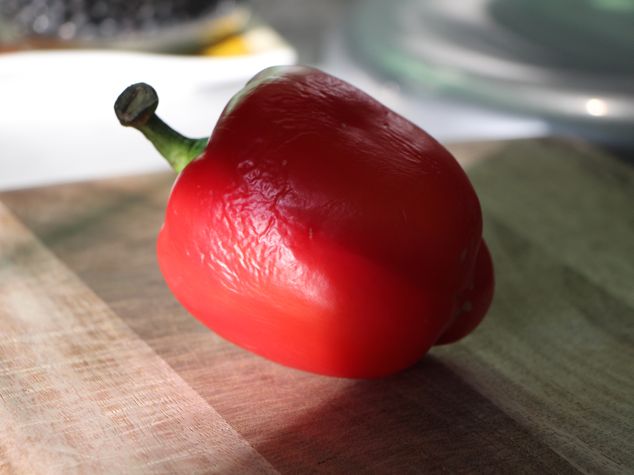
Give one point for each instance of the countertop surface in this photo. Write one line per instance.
(102, 371)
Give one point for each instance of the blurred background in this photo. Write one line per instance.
(464, 70)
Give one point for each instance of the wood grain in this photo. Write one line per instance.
(557, 351)
(82, 393)
(544, 386)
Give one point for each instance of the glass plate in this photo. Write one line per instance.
(568, 60)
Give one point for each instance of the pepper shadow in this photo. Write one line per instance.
(425, 420)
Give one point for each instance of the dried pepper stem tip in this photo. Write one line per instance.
(136, 105)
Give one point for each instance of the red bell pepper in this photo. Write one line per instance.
(318, 228)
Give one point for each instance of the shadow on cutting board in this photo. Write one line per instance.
(425, 420)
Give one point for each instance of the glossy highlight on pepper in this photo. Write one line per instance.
(318, 228)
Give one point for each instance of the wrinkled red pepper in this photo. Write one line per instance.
(318, 228)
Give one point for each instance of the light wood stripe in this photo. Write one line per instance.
(80, 392)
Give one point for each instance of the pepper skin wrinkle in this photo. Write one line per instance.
(325, 232)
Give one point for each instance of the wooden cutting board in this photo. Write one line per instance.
(101, 371)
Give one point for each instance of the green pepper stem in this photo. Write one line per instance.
(136, 107)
